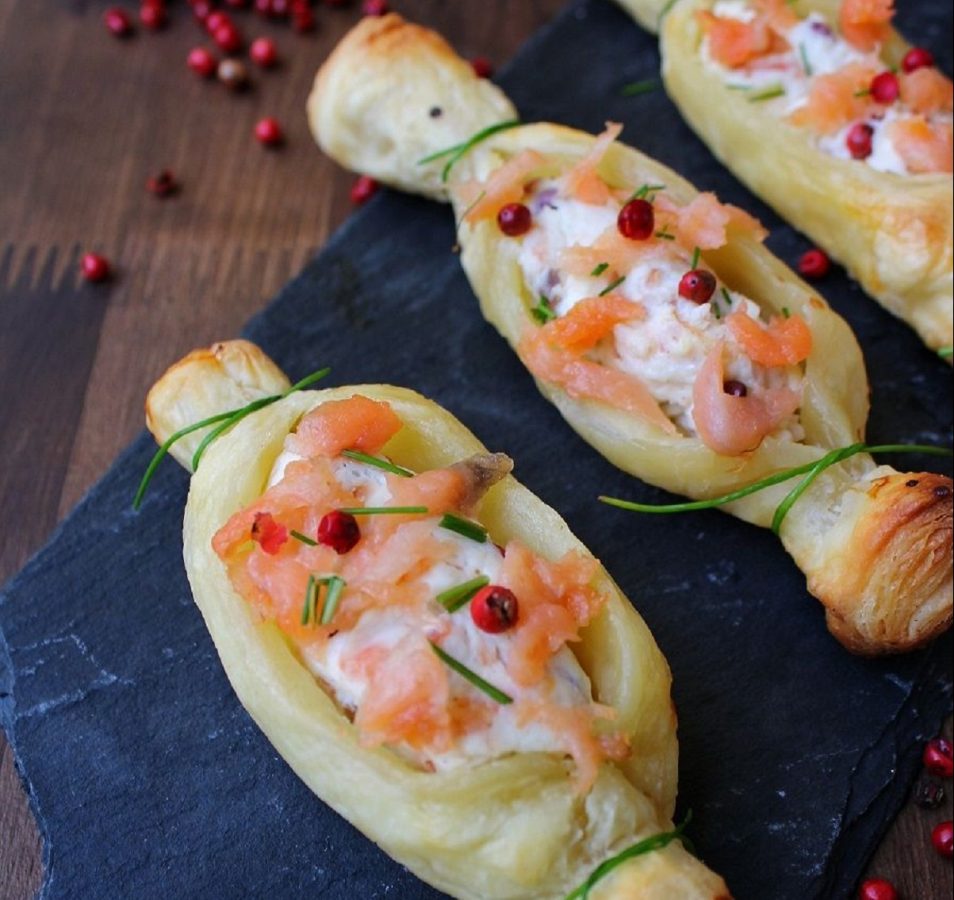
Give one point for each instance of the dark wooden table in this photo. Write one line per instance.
(84, 120)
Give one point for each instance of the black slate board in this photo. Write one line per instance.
(147, 777)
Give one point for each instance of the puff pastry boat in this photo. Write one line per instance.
(867, 179)
(479, 808)
(873, 542)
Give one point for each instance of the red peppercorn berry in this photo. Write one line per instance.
(917, 58)
(858, 140)
(374, 7)
(637, 220)
(697, 285)
(482, 67)
(95, 267)
(228, 37)
(153, 15)
(269, 132)
(494, 609)
(363, 189)
(942, 837)
(303, 21)
(237, 4)
(202, 62)
(162, 184)
(939, 758)
(877, 889)
(514, 219)
(217, 19)
(263, 52)
(117, 21)
(885, 88)
(338, 530)
(734, 388)
(202, 9)
(268, 534)
(814, 263)
(279, 9)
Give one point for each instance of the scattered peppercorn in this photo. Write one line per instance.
(482, 67)
(232, 74)
(637, 220)
(877, 889)
(163, 184)
(885, 88)
(268, 132)
(858, 140)
(928, 793)
(917, 58)
(263, 52)
(95, 268)
(375, 7)
(303, 20)
(202, 62)
(697, 285)
(363, 189)
(942, 837)
(153, 15)
(938, 758)
(814, 264)
(514, 219)
(118, 22)
(228, 38)
(494, 609)
(734, 388)
(339, 530)
(269, 534)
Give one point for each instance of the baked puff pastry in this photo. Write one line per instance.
(424, 641)
(827, 114)
(654, 319)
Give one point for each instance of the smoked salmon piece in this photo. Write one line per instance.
(583, 181)
(357, 423)
(733, 42)
(783, 342)
(866, 23)
(506, 185)
(836, 99)
(923, 147)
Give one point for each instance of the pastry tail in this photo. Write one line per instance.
(877, 553)
(226, 376)
(392, 94)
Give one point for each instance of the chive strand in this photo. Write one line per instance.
(298, 536)
(612, 286)
(646, 845)
(384, 510)
(696, 253)
(813, 469)
(459, 150)
(335, 587)
(463, 527)
(635, 88)
(493, 692)
(454, 598)
(379, 463)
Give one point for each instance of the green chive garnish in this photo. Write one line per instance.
(715, 309)
(336, 585)
(647, 845)
(665, 235)
(311, 594)
(612, 286)
(945, 352)
(459, 150)
(810, 470)
(769, 93)
(454, 598)
(470, 206)
(543, 312)
(696, 253)
(298, 536)
(464, 527)
(786, 312)
(599, 270)
(472, 677)
(739, 87)
(645, 190)
(727, 296)
(862, 92)
(224, 420)
(635, 88)
(377, 462)
(806, 65)
(384, 510)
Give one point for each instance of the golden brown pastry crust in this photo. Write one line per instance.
(512, 828)
(876, 609)
(893, 233)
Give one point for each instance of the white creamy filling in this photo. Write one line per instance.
(665, 348)
(816, 49)
(395, 630)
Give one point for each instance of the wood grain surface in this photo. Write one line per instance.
(85, 118)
